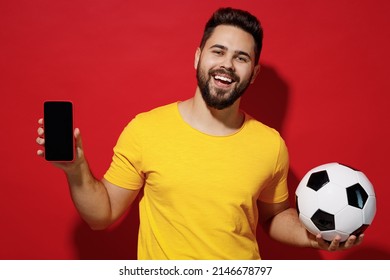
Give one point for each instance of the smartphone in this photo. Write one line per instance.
(58, 126)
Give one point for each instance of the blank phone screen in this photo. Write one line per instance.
(58, 125)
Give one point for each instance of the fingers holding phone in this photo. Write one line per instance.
(40, 139)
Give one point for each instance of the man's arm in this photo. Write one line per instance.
(282, 224)
(99, 203)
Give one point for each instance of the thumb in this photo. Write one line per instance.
(79, 143)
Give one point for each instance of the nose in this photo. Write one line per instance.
(227, 63)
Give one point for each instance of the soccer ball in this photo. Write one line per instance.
(334, 199)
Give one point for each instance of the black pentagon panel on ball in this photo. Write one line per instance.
(317, 180)
(323, 220)
(357, 196)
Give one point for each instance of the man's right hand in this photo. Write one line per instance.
(66, 166)
(99, 202)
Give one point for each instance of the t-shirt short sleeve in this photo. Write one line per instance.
(125, 169)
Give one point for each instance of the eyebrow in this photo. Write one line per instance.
(236, 52)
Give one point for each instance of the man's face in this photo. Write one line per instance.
(225, 66)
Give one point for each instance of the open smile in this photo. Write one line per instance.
(222, 78)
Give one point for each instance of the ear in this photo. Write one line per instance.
(256, 72)
(197, 57)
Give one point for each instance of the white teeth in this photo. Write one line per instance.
(223, 79)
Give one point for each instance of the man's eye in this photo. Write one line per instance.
(242, 59)
(217, 52)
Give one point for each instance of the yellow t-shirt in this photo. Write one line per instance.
(200, 191)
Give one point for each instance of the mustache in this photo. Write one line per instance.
(224, 71)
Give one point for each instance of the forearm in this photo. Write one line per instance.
(285, 227)
(89, 196)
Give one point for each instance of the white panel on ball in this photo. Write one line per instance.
(309, 202)
(369, 210)
(345, 223)
(342, 175)
(330, 235)
(331, 198)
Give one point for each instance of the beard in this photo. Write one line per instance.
(219, 98)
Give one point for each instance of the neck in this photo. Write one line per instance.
(210, 120)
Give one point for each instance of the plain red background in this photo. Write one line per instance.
(324, 85)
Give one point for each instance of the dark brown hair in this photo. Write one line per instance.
(237, 18)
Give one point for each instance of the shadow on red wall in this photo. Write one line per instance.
(119, 242)
(267, 98)
(367, 253)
